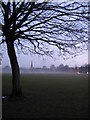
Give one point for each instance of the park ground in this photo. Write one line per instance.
(47, 96)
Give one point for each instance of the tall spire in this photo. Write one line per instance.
(31, 64)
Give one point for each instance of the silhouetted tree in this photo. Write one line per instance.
(60, 67)
(36, 26)
(66, 67)
(44, 68)
(52, 67)
(82, 69)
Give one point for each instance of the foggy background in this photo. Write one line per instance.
(40, 61)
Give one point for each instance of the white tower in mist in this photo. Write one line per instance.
(31, 65)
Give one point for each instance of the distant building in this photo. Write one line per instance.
(31, 65)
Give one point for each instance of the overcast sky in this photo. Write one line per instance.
(25, 60)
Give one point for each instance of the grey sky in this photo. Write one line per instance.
(25, 60)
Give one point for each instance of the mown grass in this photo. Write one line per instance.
(48, 96)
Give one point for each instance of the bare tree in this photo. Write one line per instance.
(35, 27)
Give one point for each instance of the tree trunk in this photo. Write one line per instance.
(16, 88)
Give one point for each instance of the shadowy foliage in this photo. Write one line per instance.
(36, 27)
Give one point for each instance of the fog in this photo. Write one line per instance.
(40, 61)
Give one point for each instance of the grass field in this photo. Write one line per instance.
(48, 96)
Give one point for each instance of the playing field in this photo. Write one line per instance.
(48, 96)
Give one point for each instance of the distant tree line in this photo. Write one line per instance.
(85, 68)
(53, 68)
(66, 68)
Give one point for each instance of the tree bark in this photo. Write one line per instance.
(16, 88)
